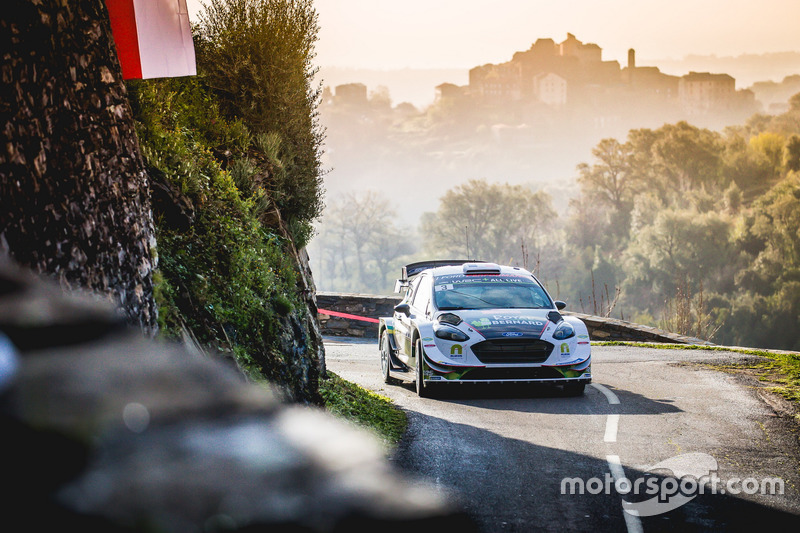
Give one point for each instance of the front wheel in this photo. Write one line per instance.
(574, 389)
(386, 356)
(423, 391)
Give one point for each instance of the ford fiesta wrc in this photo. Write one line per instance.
(477, 322)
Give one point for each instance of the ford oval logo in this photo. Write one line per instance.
(512, 334)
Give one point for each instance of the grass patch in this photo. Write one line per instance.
(363, 407)
(778, 370)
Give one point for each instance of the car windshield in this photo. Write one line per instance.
(460, 291)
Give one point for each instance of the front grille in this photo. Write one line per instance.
(512, 350)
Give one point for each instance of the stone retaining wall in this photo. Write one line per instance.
(363, 305)
(373, 307)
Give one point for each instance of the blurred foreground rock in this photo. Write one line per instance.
(105, 430)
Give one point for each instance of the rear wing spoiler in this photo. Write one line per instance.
(415, 268)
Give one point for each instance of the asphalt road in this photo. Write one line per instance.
(652, 423)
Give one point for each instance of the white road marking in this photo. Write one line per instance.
(610, 396)
(612, 424)
(614, 464)
(632, 521)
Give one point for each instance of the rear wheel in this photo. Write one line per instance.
(424, 391)
(386, 361)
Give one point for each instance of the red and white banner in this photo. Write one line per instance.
(346, 315)
(153, 38)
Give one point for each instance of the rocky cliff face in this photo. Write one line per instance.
(75, 196)
(78, 198)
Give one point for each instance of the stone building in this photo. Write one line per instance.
(550, 89)
(550, 73)
(449, 91)
(351, 93)
(702, 92)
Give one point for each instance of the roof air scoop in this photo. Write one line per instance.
(478, 269)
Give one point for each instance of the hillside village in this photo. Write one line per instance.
(556, 84)
(531, 120)
(572, 75)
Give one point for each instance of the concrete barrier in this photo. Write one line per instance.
(362, 309)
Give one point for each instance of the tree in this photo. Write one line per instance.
(768, 146)
(257, 56)
(75, 197)
(687, 157)
(610, 180)
(741, 164)
(359, 244)
(682, 247)
(490, 222)
(775, 223)
(791, 156)
(794, 102)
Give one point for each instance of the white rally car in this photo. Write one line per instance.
(476, 322)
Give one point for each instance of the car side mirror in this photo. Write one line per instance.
(560, 305)
(403, 308)
(400, 285)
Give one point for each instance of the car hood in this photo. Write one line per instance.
(506, 323)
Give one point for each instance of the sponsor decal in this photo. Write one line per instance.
(569, 371)
(531, 319)
(456, 350)
(564, 349)
(430, 346)
(512, 334)
(427, 339)
(507, 320)
(481, 323)
(583, 336)
(583, 342)
(461, 278)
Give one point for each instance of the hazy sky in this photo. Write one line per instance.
(382, 34)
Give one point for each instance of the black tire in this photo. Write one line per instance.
(574, 389)
(423, 391)
(386, 361)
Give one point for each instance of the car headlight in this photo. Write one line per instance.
(449, 333)
(564, 331)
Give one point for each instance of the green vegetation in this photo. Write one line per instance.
(779, 371)
(256, 56)
(701, 230)
(364, 408)
(236, 187)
